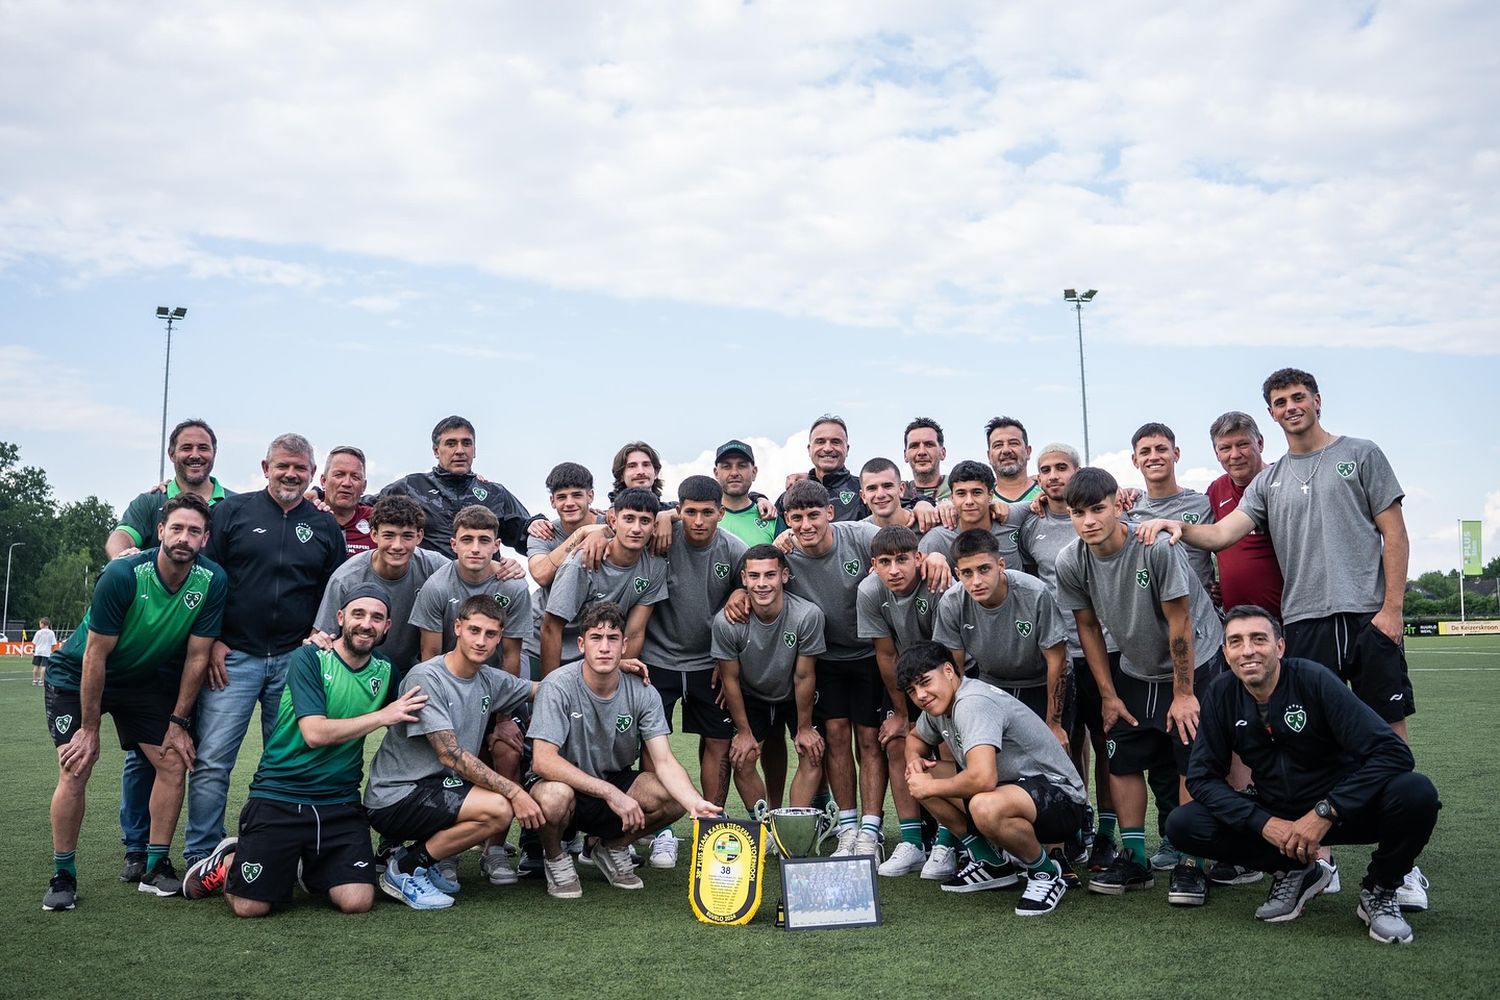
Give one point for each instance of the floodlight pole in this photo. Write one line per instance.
(5, 612)
(1071, 295)
(171, 316)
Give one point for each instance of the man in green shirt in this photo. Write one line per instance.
(748, 516)
(304, 804)
(147, 610)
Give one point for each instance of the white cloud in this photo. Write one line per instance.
(774, 461)
(37, 394)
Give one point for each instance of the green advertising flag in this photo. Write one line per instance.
(1473, 558)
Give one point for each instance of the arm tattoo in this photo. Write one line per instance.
(466, 765)
(1182, 670)
(1054, 708)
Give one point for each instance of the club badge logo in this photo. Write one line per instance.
(623, 723)
(1023, 629)
(250, 871)
(1192, 518)
(1143, 579)
(852, 567)
(304, 533)
(192, 599)
(641, 583)
(923, 606)
(480, 493)
(846, 497)
(721, 570)
(1296, 718)
(790, 638)
(1346, 469)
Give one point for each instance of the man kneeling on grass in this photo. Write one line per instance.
(588, 727)
(303, 814)
(1013, 788)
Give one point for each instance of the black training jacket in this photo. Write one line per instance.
(278, 564)
(1318, 740)
(843, 492)
(443, 494)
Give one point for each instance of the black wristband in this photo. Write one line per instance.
(180, 721)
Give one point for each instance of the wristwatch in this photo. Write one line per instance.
(180, 721)
(1325, 810)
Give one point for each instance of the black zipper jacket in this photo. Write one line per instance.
(443, 494)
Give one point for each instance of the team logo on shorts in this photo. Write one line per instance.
(1346, 469)
(375, 687)
(452, 782)
(304, 533)
(623, 723)
(641, 583)
(1296, 718)
(484, 703)
(790, 638)
(1109, 748)
(192, 599)
(503, 600)
(846, 497)
(1143, 579)
(250, 871)
(62, 723)
(721, 570)
(480, 493)
(852, 567)
(1023, 629)
(1192, 518)
(922, 606)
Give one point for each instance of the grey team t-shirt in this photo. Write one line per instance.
(831, 581)
(437, 606)
(902, 618)
(599, 736)
(402, 644)
(1126, 591)
(680, 631)
(1004, 643)
(542, 547)
(1325, 539)
(768, 651)
(464, 706)
(1006, 532)
(575, 588)
(983, 715)
(1042, 538)
(1189, 507)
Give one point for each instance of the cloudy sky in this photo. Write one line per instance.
(580, 224)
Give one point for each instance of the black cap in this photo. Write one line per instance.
(730, 447)
(367, 590)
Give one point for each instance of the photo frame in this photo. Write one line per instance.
(823, 893)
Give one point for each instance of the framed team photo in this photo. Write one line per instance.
(823, 893)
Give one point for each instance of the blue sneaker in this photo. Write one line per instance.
(415, 890)
(444, 875)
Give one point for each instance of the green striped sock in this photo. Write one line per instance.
(945, 837)
(911, 830)
(66, 861)
(1107, 823)
(1043, 864)
(1133, 840)
(981, 849)
(154, 853)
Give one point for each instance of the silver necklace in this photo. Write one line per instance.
(1306, 483)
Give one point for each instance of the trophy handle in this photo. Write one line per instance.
(827, 823)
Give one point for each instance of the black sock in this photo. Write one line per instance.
(415, 857)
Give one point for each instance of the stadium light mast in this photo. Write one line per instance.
(1071, 295)
(171, 316)
(5, 612)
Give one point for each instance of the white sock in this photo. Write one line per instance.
(870, 824)
(848, 818)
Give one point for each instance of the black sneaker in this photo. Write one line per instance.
(1224, 873)
(977, 876)
(530, 863)
(161, 880)
(62, 893)
(1103, 854)
(1043, 892)
(1125, 875)
(1069, 876)
(1188, 885)
(135, 866)
(1078, 852)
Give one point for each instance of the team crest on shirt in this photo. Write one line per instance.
(503, 600)
(761, 522)
(846, 497)
(480, 493)
(1296, 718)
(304, 533)
(484, 703)
(1109, 748)
(1023, 629)
(623, 723)
(1346, 469)
(1015, 538)
(1143, 579)
(250, 871)
(192, 598)
(922, 606)
(375, 687)
(721, 570)
(641, 583)
(62, 723)
(1191, 518)
(852, 567)
(452, 782)
(790, 638)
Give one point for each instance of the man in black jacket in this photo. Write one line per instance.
(451, 486)
(279, 551)
(1326, 770)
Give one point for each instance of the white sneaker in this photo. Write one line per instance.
(941, 864)
(867, 845)
(562, 878)
(904, 860)
(664, 850)
(1334, 886)
(1043, 892)
(617, 867)
(847, 836)
(495, 865)
(1412, 896)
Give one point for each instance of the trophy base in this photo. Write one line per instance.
(780, 913)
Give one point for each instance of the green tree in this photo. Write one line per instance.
(26, 513)
(83, 526)
(63, 590)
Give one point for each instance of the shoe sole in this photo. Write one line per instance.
(1187, 898)
(1249, 878)
(58, 909)
(565, 894)
(1359, 911)
(1412, 907)
(1166, 867)
(665, 864)
(937, 876)
(904, 871)
(1120, 890)
(998, 883)
(153, 890)
(511, 879)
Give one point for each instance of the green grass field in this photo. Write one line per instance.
(516, 942)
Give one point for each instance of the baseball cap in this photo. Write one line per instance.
(730, 447)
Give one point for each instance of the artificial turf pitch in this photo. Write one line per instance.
(515, 942)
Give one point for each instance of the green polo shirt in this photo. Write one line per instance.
(141, 517)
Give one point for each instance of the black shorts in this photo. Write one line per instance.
(332, 843)
(767, 717)
(39, 661)
(701, 713)
(1088, 706)
(432, 805)
(593, 815)
(141, 714)
(1058, 818)
(1035, 698)
(1364, 657)
(849, 689)
(1147, 745)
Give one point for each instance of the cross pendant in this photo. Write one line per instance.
(1305, 489)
